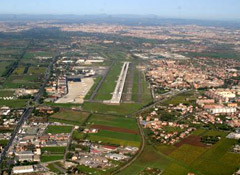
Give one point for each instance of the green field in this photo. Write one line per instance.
(96, 81)
(3, 142)
(185, 98)
(113, 121)
(32, 55)
(6, 93)
(53, 168)
(118, 138)
(108, 86)
(218, 160)
(121, 110)
(23, 81)
(13, 103)
(3, 66)
(146, 96)
(69, 117)
(187, 153)
(49, 158)
(149, 158)
(58, 129)
(54, 150)
(135, 86)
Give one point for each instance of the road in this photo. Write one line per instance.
(28, 110)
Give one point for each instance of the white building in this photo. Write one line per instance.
(224, 110)
(22, 169)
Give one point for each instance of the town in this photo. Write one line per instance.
(89, 98)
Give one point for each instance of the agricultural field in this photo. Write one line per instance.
(69, 117)
(114, 130)
(20, 81)
(189, 156)
(18, 103)
(3, 66)
(58, 129)
(32, 55)
(109, 83)
(6, 93)
(118, 138)
(113, 121)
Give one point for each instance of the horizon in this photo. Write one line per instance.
(175, 9)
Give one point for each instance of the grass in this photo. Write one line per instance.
(174, 169)
(77, 135)
(115, 138)
(69, 117)
(135, 86)
(96, 81)
(49, 158)
(36, 70)
(109, 83)
(3, 66)
(54, 150)
(182, 98)
(113, 121)
(23, 81)
(87, 170)
(53, 169)
(58, 129)
(146, 96)
(3, 142)
(121, 110)
(187, 153)
(6, 93)
(13, 103)
(31, 55)
(63, 105)
(149, 158)
(216, 160)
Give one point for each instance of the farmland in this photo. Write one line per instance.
(114, 130)
(69, 117)
(185, 158)
(113, 121)
(115, 138)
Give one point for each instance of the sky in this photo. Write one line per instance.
(190, 9)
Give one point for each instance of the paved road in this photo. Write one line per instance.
(28, 111)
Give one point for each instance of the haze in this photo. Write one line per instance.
(191, 9)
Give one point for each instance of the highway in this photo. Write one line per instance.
(28, 110)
